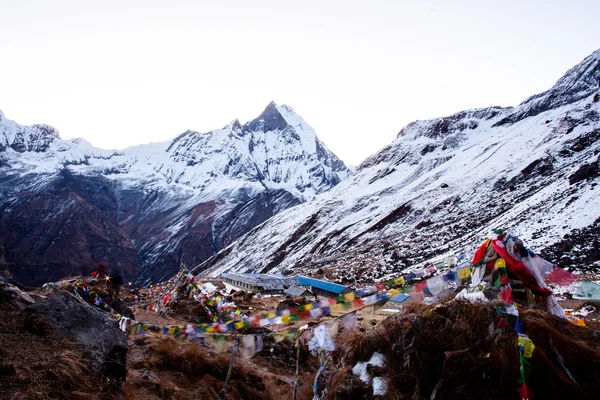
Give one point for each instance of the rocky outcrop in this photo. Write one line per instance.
(93, 330)
(13, 296)
(34, 138)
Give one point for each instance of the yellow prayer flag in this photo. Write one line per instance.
(499, 264)
(271, 314)
(349, 296)
(239, 325)
(463, 273)
(285, 318)
(527, 345)
(336, 308)
(399, 281)
(308, 307)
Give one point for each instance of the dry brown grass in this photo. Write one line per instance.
(448, 349)
(187, 370)
(35, 364)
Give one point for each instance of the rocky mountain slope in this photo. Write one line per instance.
(443, 185)
(65, 205)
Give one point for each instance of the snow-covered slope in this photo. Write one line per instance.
(443, 185)
(176, 200)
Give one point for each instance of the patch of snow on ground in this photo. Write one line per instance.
(379, 386)
(585, 311)
(476, 297)
(360, 369)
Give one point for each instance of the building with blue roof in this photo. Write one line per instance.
(322, 288)
(397, 301)
(259, 283)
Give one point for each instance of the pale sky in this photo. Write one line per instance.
(121, 73)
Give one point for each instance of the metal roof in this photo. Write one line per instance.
(240, 278)
(399, 298)
(297, 291)
(264, 281)
(265, 276)
(319, 284)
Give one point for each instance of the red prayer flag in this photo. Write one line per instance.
(420, 286)
(524, 392)
(480, 253)
(561, 276)
(507, 295)
(304, 314)
(517, 268)
(380, 286)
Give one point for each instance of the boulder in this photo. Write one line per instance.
(93, 330)
(15, 296)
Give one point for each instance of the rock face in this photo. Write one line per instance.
(65, 205)
(14, 296)
(443, 185)
(93, 330)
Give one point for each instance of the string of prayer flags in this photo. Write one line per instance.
(218, 309)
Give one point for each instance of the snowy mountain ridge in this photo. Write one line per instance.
(443, 185)
(278, 150)
(162, 195)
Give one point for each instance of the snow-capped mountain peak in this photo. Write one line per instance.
(180, 200)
